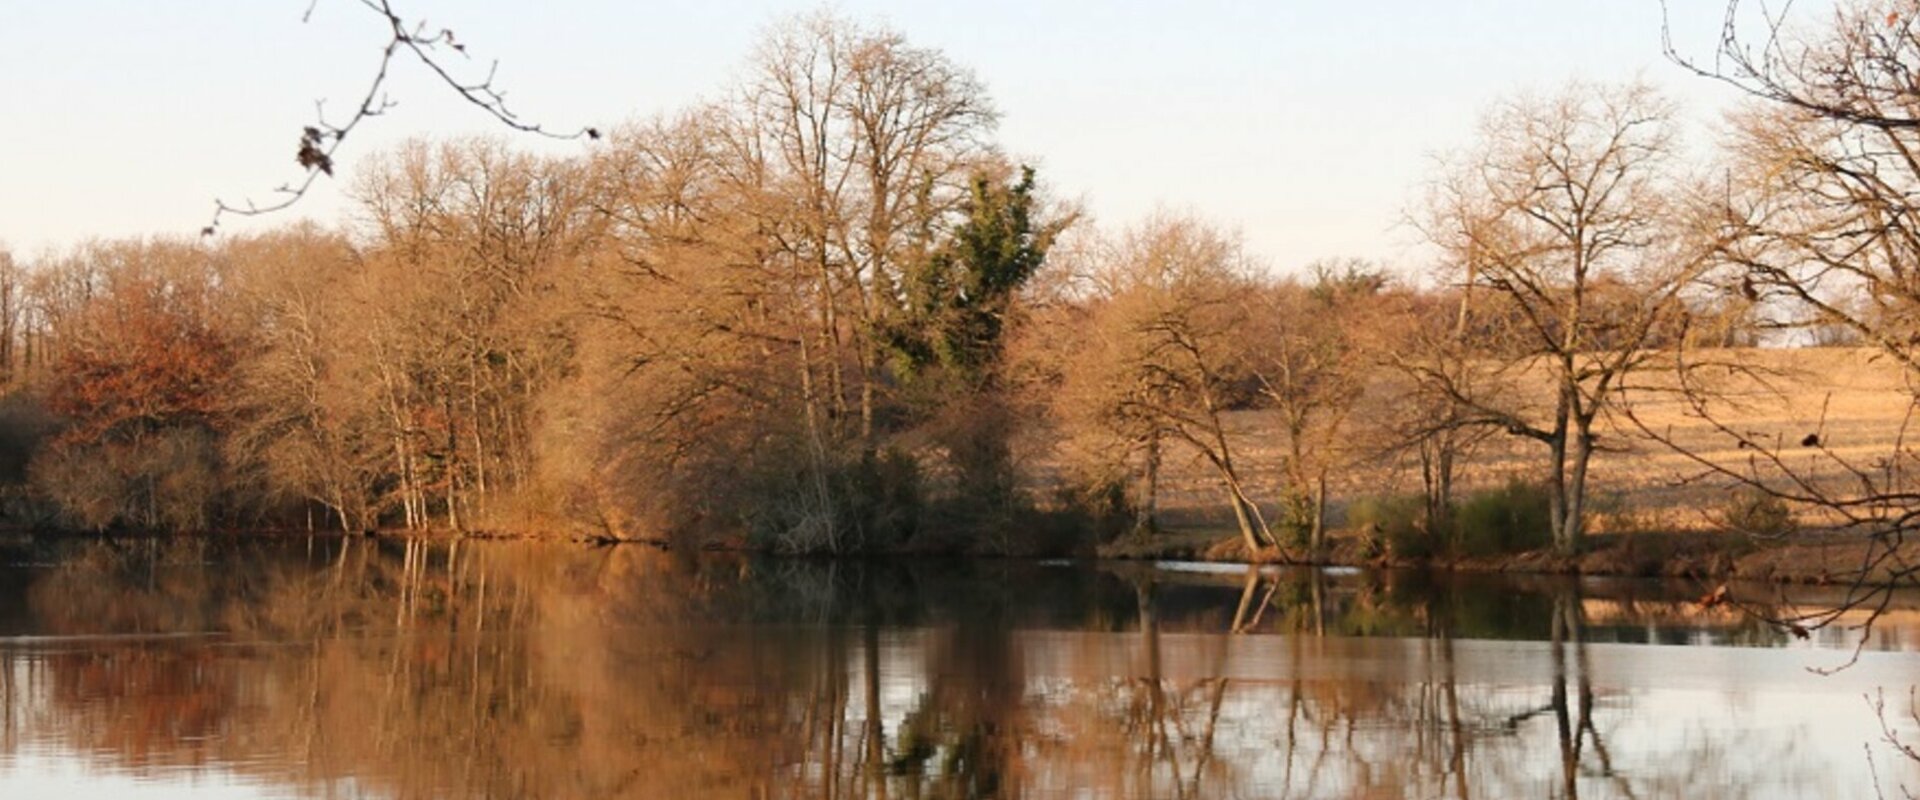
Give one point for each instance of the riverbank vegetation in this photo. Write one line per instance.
(829, 313)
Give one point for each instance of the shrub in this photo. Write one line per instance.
(1649, 555)
(1100, 506)
(1399, 521)
(1757, 512)
(1295, 525)
(887, 495)
(24, 429)
(170, 481)
(795, 502)
(1512, 519)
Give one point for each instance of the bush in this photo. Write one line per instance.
(796, 502)
(170, 481)
(1512, 519)
(1398, 520)
(1649, 555)
(1295, 525)
(1100, 506)
(887, 496)
(24, 429)
(1757, 512)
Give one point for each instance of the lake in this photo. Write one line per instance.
(377, 668)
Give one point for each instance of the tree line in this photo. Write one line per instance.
(827, 312)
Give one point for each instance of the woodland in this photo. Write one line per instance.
(828, 313)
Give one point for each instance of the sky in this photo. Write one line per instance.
(1307, 125)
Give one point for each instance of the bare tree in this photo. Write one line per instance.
(1165, 356)
(13, 317)
(1306, 359)
(303, 427)
(1419, 346)
(1562, 195)
(1815, 219)
(474, 244)
(863, 147)
(706, 330)
(769, 263)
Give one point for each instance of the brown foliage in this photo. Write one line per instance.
(142, 363)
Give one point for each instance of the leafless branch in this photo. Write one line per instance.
(321, 140)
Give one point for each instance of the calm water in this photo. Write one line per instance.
(331, 669)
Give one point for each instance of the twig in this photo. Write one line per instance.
(320, 141)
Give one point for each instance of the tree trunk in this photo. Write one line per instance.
(809, 396)
(1573, 528)
(403, 463)
(1436, 464)
(1148, 519)
(830, 339)
(1243, 519)
(1253, 526)
(1317, 537)
(1557, 491)
(453, 465)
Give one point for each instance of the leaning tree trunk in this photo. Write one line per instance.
(1243, 519)
(1246, 513)
(1253, 526)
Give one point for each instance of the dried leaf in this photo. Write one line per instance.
(311, 156)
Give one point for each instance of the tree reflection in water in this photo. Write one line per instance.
(510, 670)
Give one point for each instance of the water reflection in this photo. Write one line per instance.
(344, 668)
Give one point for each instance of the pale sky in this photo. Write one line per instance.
(1309, 125)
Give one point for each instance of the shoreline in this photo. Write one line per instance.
(1809, 558)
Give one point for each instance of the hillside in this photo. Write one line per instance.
(1856, 401)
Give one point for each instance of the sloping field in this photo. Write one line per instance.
(1856, 401)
